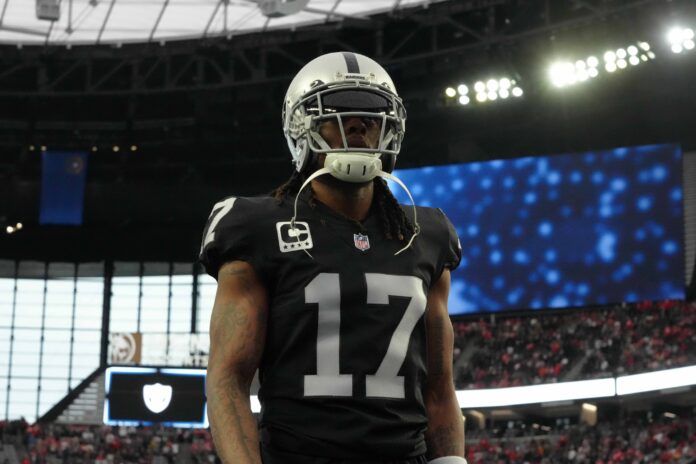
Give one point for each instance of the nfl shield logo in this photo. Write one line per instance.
(361, 241)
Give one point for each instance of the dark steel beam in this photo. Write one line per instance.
(212, 18)
(106, 20)
(4, 10)
(157, 22)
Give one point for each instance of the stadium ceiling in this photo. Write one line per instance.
(93, 22)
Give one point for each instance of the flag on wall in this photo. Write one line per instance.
(62, 187)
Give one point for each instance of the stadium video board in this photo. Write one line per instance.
(561, 231)
(145, 395)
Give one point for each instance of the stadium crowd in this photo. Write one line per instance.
(625, 440)
(491, 352)
(625, 339)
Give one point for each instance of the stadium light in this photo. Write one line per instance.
(681, 39)
(568, 73)
(9, 229)
(485, 91)
(19, 226)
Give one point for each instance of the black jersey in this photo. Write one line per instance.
(344, 365)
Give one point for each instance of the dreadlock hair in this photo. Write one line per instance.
(395, 224)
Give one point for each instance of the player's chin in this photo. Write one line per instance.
(328, 179)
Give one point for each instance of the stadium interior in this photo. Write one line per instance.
(161, 108)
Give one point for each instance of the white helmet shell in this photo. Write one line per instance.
(355, 83)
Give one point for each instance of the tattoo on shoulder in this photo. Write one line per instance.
(241, 272)
(235, 270)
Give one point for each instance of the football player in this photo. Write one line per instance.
(334, 292)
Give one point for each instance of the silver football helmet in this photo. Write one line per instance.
(336, 86)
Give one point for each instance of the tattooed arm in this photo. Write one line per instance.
(445, 434)
(237, 336)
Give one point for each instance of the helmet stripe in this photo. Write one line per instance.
(351, 62)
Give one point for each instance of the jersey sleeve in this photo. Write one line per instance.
(452, 252)
(229, 235)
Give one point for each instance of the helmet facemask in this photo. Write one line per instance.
(337, 86)
(337, 102)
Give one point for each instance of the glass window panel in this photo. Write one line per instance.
(88, 318)
(86, 353)
(182, 288)
(3, 397)
(154, 348)
(153, 326)
(89, 362)
(4, 349)
(48, 400)
(55, 367)
(154, 309)
(30, 294)
(25, 383)
(55, 321)
(25, 370)
(6, 298)
(81, 372)
(56, 353)
(27, 340)
(90, 295)
(124, 306)
(180, 324)
(125, 291)
(25, 352)
(17, 410)
(82, 351)
(22, 395)
(57, 340)
(58, 385)
(59, 303)
(89, 338)
(182, 281)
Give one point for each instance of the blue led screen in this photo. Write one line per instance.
(561, 231)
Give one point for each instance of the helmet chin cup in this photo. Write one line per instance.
(353, 166)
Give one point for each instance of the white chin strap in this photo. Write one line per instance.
(353, 166)
(364, 169)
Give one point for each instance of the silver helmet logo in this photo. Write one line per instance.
(157, 397)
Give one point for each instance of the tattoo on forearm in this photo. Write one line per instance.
(228, 397)
(438, 356)
(444, 441)
(234, 327)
